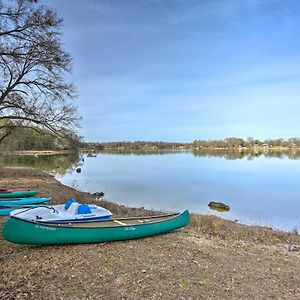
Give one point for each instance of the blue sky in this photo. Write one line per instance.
(184, 70)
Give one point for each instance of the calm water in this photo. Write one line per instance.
(262, 190)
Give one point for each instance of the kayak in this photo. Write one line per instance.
(20, 231)
(22, 201)
(71, 211)
(6, 210)
(15, 193)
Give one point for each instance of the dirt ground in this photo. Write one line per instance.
(209, 259)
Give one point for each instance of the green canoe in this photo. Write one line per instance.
(19, 231)
(17, 194)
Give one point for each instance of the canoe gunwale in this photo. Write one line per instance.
(75, 225)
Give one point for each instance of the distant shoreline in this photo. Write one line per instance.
(232, 144)
(256, 149)
(191, 148)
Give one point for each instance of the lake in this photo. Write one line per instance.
(260, 190)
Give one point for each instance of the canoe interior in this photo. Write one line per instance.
(111, 223)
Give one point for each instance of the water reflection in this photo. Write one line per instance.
(140, 152)
(56, 164)
(291, 153)
(249, 154)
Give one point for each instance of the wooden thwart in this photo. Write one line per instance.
(120, 223)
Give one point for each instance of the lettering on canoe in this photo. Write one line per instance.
(44, 227)
(129, 228)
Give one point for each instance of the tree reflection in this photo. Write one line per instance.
(57, 164)
(249, 153)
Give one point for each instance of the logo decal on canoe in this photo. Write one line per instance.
(44, 227)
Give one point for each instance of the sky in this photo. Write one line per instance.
(180, 70)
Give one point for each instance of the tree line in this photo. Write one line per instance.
(24, 138)
(228, 143)
(137, 145)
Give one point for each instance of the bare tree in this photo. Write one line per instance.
(33, 65)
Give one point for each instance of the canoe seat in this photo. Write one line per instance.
(73, 209)
(84, 209)
(69, 202)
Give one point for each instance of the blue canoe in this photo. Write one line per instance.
(22, 201)
(6, 210)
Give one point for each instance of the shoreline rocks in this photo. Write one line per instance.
(218, 206)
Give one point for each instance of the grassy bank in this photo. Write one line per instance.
(209, 259)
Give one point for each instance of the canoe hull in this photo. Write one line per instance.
(17, 194)
(25, 232)
(23, 201)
